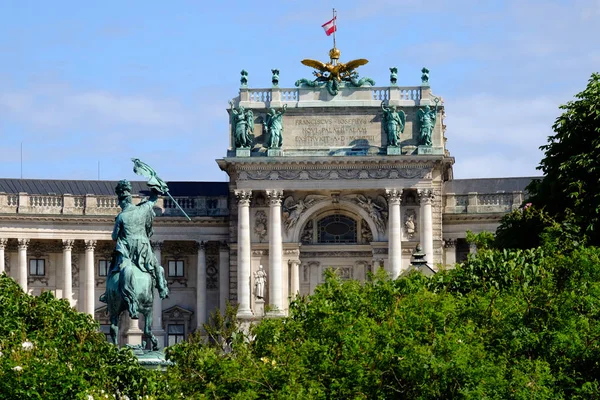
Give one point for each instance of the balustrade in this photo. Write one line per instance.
(45, 201)
(259, 95)
(107, 202)
(289, 95)
(381, 94)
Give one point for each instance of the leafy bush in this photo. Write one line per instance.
(507, 324)
(50, 351)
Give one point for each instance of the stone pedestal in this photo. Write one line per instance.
(394, 151)
(409, 149)
(242, 152)
(274, 153)
(430, 150)
(259, 308)
(134, 333)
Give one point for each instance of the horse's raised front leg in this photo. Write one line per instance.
(148, 330)
(114, 329)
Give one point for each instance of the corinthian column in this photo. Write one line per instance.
(426, 197)
(22, 274)
(88, 286)
(3, 242)
(157, 326)
(67, 270)
(394, 234)
(201, 286)
(243, 243)
(275, 252)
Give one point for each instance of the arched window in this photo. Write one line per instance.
(336, 229)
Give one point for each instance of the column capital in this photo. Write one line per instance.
(200, 245)
(223, 246)
(274, 196)
(157, 244)
(294, 263)
(22, 244)
(68, 244)
(3, 243)
(394, 196)
(449, 243)
(425, 196)
(243, 196)
(90, 244)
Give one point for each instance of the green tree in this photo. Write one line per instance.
(571, 163)
(50, 351)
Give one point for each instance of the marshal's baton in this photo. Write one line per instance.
(178, 206)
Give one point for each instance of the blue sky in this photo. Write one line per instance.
(82, 82)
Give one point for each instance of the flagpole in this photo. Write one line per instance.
(334, 27)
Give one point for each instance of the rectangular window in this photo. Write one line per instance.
(105, 328)
(176, 268)
(175, 333)
(37, 267)
(103, 266)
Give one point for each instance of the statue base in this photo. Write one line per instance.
(274, 153)
(409, 149)
(275, 314)
(242, 152)
(151, 359)
(430, 150)
(259, 308)
(394, 150)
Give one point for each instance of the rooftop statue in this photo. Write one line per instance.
(427, 118)
(333, 74)
(242, 121)
(134, 270)
(274, 127)
(393, 124)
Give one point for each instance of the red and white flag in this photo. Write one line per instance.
(329, 26)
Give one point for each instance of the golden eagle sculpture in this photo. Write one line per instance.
(334, 70)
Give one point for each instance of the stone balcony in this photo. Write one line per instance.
(67, 204)
(482, 203)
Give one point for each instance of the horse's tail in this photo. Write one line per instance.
(127, 287)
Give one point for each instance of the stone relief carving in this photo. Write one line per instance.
(345, 273)
(212, 272)
(365, 232)
(320, 174)
(410, 223)
(260, 225)
(305, 273)
(376, 208)
(293, 210)
(307, 233)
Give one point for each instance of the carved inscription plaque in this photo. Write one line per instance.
(332, 131)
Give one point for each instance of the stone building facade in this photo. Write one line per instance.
(334, 195)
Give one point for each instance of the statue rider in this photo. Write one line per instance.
(132, 232)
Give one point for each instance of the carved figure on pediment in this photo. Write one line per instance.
(393, 123)
(365, 232)
(294, 210)
(307, 233)
(242, 121)
(377, 209)
(410, 223)
(260, 281)
(260, 225)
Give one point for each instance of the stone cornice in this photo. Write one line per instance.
(307, 163)
(466, 218)
(167, 221)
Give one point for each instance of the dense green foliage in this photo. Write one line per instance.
(50, 351)
(571, 163)
(505, 325)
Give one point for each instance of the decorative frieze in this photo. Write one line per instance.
(328, 173)
(322, 254)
